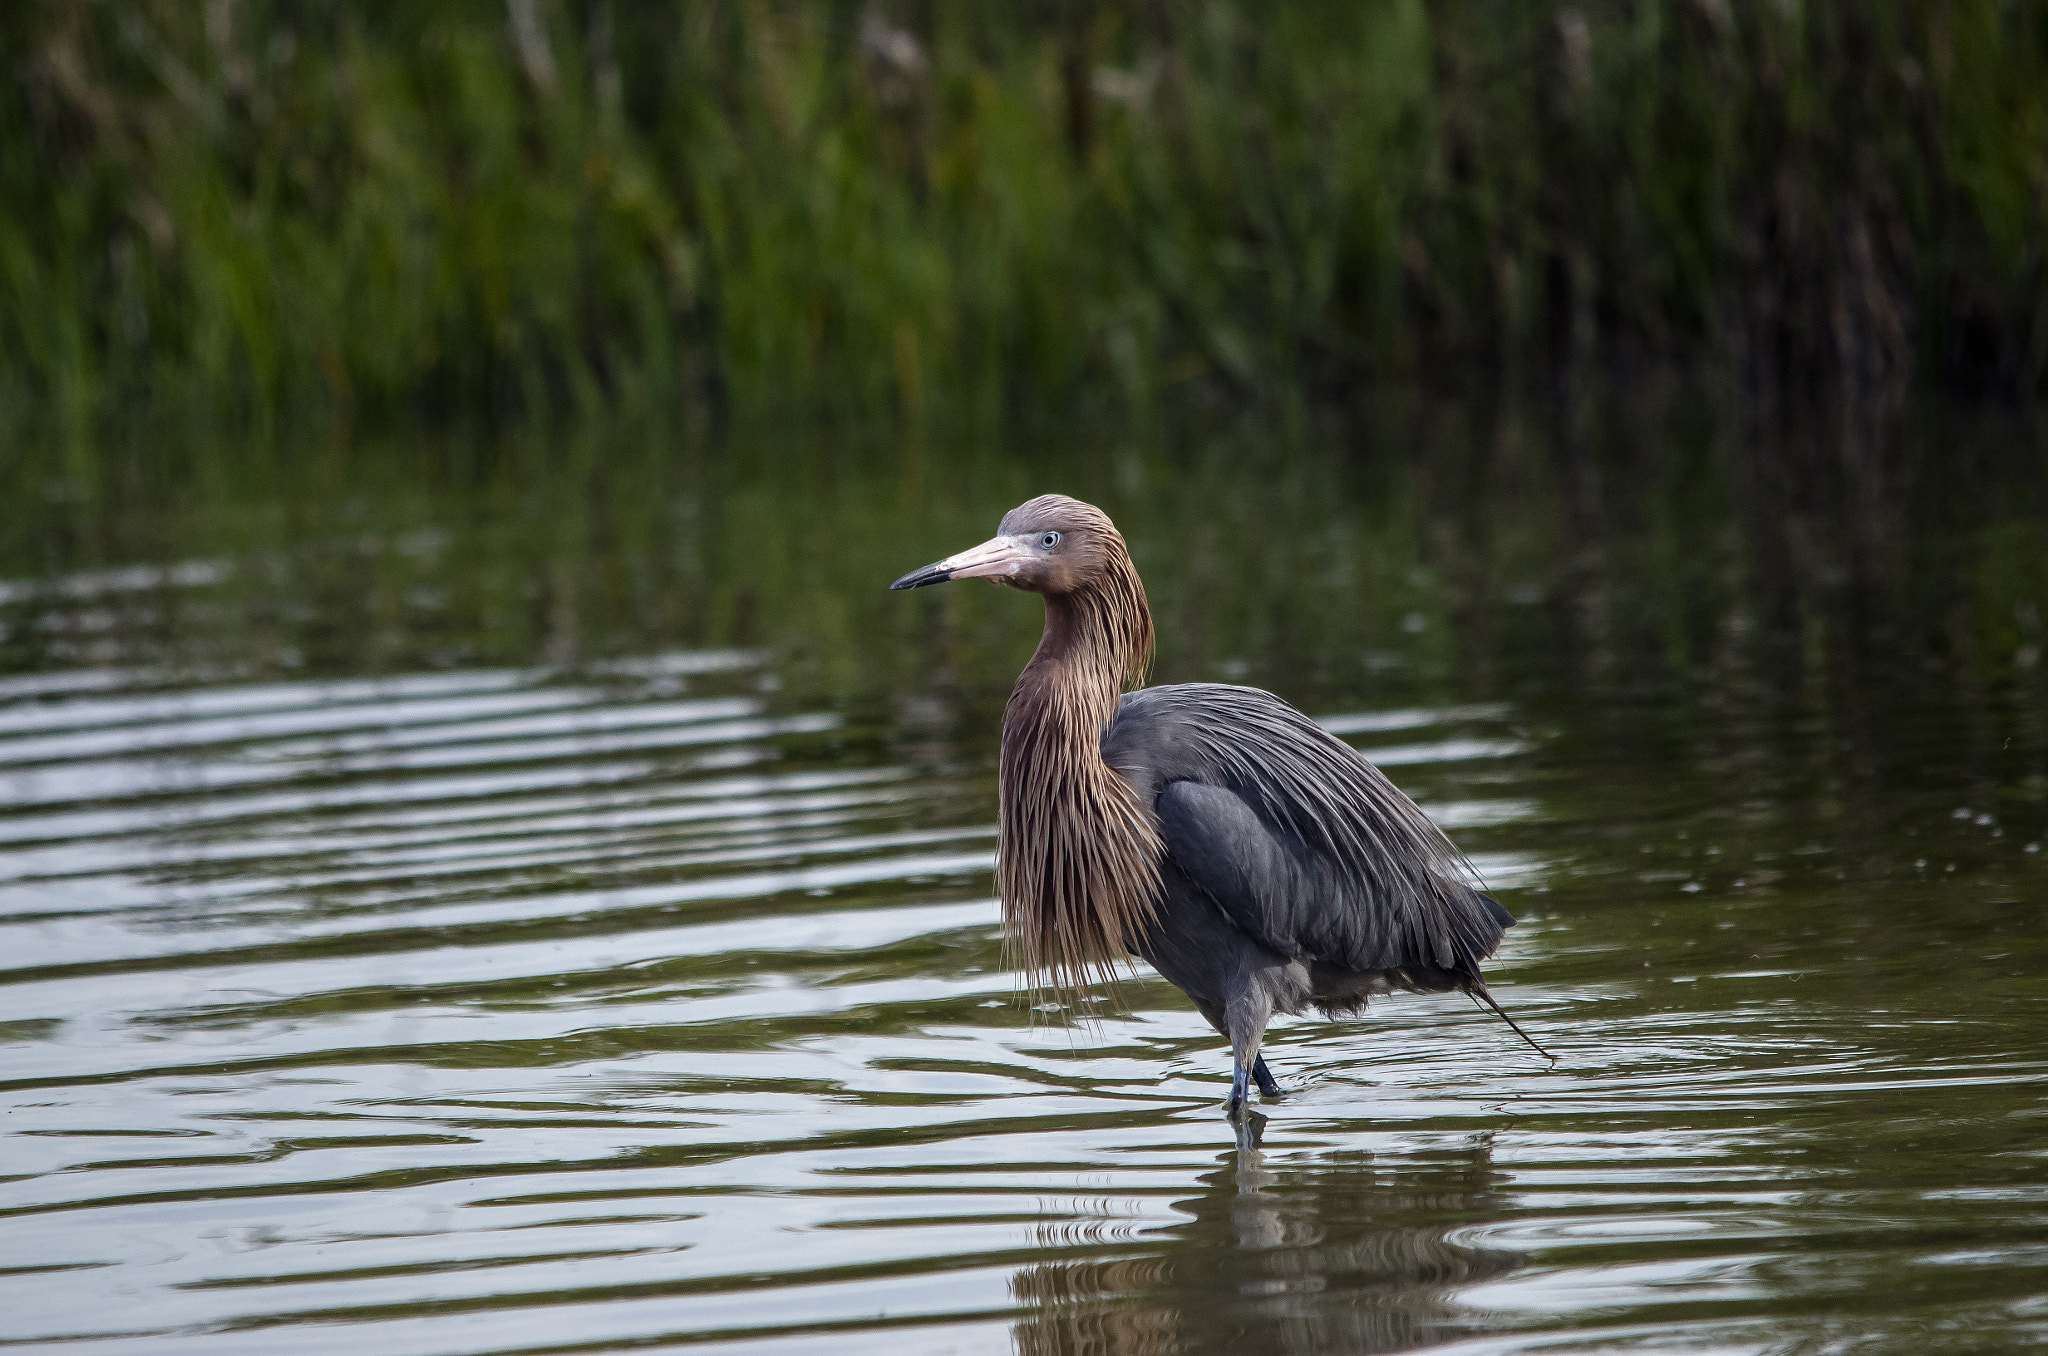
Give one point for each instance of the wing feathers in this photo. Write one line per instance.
(1305, 844)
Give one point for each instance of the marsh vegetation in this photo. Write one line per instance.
(235, 212)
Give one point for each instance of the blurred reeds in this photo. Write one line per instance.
(1420, 548)
(227, 213)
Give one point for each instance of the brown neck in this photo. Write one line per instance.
(1078, 858)
(1083, 652)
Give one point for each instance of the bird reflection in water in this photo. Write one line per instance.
(1295, 1255)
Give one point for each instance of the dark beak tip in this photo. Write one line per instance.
(917, 579)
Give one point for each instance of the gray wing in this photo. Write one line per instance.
(1304, 844)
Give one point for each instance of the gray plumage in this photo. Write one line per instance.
(1258, 862)
(1306, 846)
(1296, 875)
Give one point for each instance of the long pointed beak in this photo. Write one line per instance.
(996, 558)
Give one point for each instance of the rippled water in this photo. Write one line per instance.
(642, 1003)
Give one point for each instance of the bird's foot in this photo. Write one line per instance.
(1268, 1085)
(1240, 1089)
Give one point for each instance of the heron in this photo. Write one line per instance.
(1255, 860)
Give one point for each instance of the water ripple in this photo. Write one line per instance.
(524, 1011)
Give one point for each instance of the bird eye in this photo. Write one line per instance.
(1049, 540)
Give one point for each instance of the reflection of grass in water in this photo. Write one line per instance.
(570, 546)
(732, 207)
(30, 1029)
(1415, 552)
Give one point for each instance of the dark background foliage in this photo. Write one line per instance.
(231, 210)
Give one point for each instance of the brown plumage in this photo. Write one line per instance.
(1257, 861)
(1077, 854)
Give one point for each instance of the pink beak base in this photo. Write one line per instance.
(996, 558)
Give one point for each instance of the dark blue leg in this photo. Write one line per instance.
(1268, 1085)
(1240, 1088)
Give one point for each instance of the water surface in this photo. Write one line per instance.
(372, 981)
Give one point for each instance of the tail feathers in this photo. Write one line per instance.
(1476, 986)
(1478, 992)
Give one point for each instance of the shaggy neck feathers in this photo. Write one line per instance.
(1078, 853)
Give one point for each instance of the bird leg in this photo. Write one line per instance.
(1268, 1085)
(1246, 1010)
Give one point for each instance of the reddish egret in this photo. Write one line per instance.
(1256, 860)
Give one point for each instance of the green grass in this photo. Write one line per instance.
(227, 214)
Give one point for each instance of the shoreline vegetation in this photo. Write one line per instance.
(240, 215)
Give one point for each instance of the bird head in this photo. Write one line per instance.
(1051, 544)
